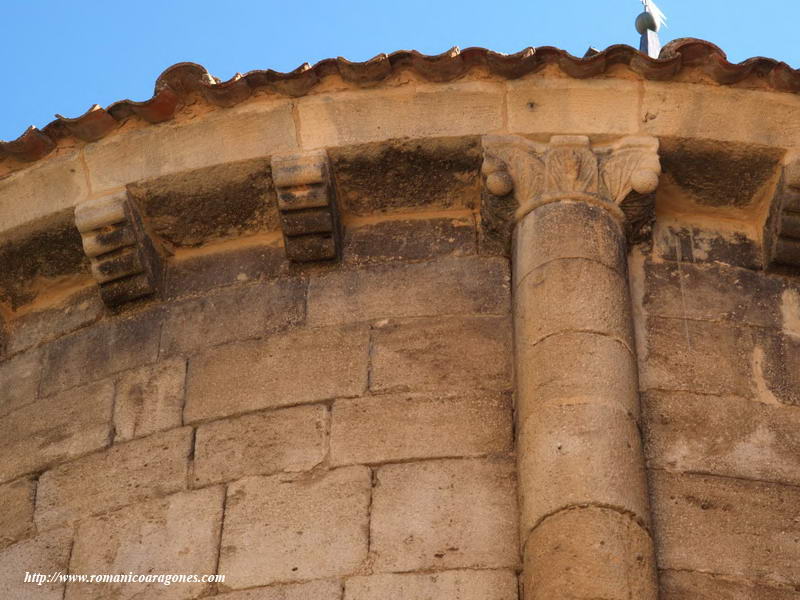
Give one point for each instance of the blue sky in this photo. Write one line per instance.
(63, 56)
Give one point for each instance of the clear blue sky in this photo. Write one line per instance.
(63, 55)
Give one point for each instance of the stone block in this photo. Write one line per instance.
(408, 176)
(445, 514)
(122, 475)
(690, 585)
(40, 191)
(46, 554)
(563, 230)
(579, 454)
(449, 286)
(712, 292)
(729, 436)
(729, 114)
(55, 429)
(697, 356)
(289, 368)
(563, 105)
(411, 426)
(555, 298)
(233, 313)
(292, 528)
(32, 328)
(291, 439)
(16, 519)
(20, 375)
(677, 240)
(178, 534)
(249, 130)
(97, 352)
(359, 116)
(311, 590)
(149, 399)
(752, 527)
(223, 267)
(410, 239)
(589, 553)
(443, 585)
(574, 367)
(442, 354)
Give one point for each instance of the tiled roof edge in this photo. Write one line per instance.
(183, 79)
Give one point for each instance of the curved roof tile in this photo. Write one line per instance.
(183, 79)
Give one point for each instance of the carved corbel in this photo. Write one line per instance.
(126, 259)
(307, 206)
(621, 177)
(783, 229)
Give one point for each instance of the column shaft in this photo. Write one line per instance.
(584, 504)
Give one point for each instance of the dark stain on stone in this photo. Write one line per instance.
(719, 173)
(193, 207)
(435, 173)
(53, 251)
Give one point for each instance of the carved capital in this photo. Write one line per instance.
(126, 260)
(307, 206)
(620, 177)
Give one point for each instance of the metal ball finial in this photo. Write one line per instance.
(646, 21)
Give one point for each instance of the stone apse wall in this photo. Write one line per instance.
(488, 338)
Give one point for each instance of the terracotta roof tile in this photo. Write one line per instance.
(183, 79)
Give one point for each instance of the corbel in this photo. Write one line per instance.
(307, 206)
(126, 260)
(783, 229)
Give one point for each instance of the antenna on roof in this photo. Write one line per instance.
(647, 24)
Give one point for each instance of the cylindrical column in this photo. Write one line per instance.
(584, 504)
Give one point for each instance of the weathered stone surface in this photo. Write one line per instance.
(555, 299)
(122, 475)
(20, 381)
(697, 356)
(229, 199)
(96, 352)
(289, 368)
(54, 185)
(565, 105)
(442, 354)
(16, 518)
(566, 229)
(47, 553)
(575, 367)
(406, 175)
(689, 585)
(175, 535)
(410, 239)
(687, 108)
(453, 109)
(444, 287)
(753, 527)
(580, 454)
(290, 528)
(291, 439)
(234, 313)
(242, 132)
(684, 242)
(224, 266)
(316, 590)
(149, 399)
(56, 429)
(729, 436)
(712, 292)
(33, 328)
(408, 426)
(589, 553)
(444, 585)
(445, 514)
